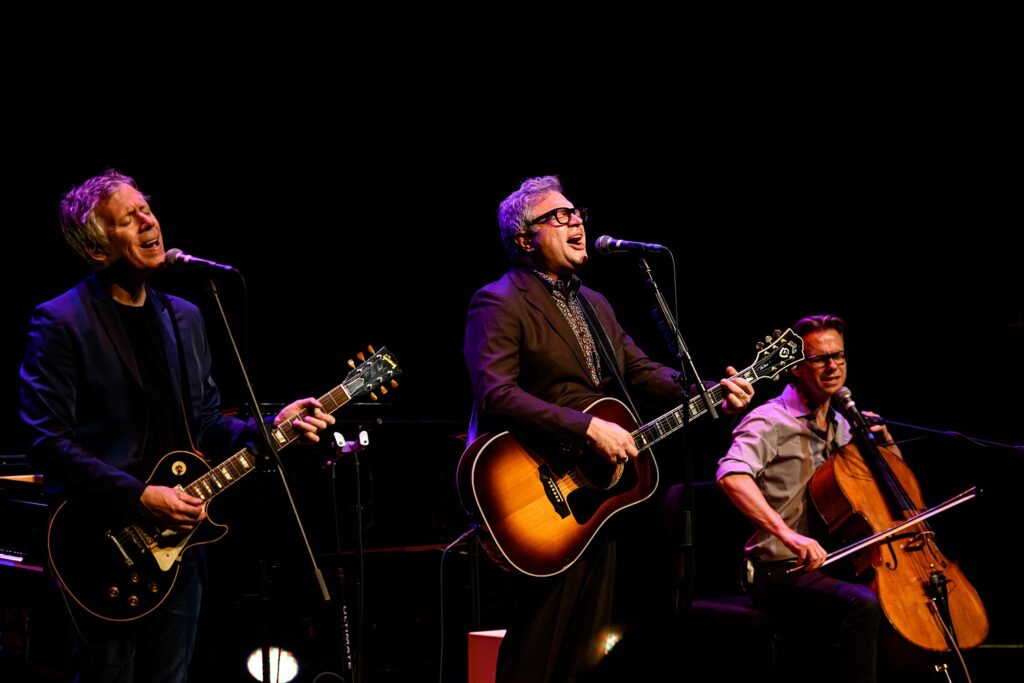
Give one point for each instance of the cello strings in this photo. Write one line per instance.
(952, 640)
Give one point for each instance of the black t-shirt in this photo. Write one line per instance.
(164, 427)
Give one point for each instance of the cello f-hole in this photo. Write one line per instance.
(894, 561)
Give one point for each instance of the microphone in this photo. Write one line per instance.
(609, 245)
(843, 402)
(176, 258)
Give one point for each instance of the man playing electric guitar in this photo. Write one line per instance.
(115, 375)
(533, 358)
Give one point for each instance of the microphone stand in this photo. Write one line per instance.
(342, 447)
(275, 459)
(941, 432)
(684, 596)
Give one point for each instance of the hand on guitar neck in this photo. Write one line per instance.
(177, 510)
(313, 420)
(740, 392)
(618, 445)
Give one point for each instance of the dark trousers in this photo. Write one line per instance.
(811, 604)
(559, 624)
(157, 648)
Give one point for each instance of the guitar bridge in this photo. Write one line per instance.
(553, 493)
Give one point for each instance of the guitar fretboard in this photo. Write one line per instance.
(244, 461)
(286, 432)
(659, 428)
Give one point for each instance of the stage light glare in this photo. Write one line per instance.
(611, 640)
(283, 665)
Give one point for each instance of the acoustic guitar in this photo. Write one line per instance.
(539, 504)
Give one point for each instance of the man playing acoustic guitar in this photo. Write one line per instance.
(534, 356)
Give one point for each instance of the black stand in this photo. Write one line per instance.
(475, 615)
(353, 663)
(271, 454)
(361, 574)
(339, 572)
(973, 439)
(684, 595)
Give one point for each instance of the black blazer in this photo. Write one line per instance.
(82, 398)
(527, 368)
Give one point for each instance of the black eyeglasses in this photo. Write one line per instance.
(561, 215)
(822, 360)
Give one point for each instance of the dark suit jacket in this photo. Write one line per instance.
(82, 396)
(527, 368)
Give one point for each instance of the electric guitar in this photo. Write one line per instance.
(540, 504)
(122, 573)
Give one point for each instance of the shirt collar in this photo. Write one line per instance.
(564, 287)
(794, 405)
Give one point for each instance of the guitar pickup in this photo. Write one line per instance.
(551, 490)
(120, 548)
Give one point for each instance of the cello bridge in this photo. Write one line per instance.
(919, 540)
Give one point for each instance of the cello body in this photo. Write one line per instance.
(919, 589)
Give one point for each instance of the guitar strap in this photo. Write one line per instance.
(185, 400)
(606, 349)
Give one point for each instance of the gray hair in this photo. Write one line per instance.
(78, 218)
(515, 214)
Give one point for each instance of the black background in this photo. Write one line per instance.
(373, 223)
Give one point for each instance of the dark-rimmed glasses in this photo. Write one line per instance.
(561, 215)
(822, 359)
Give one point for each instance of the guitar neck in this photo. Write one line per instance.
(244, 461)
(661, 427)
(286, 432)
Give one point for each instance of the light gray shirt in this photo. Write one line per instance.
(780, 446)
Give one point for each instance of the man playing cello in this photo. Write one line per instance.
(776, 449)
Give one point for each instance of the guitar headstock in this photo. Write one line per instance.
(773, 357)
(376, 373)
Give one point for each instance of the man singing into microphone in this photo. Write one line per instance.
(532, 350)
(775, 450)
(115, 375)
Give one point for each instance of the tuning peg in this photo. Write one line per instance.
(394, 384)
(758, 346)
(360, 356)
(373, 396)
(370, 348)
(351, 363)
(383, 390)
(776, 334)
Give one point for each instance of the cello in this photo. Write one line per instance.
(867, 488)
